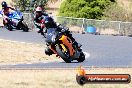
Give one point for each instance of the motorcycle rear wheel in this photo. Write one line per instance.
(81, 57)
(24, 26)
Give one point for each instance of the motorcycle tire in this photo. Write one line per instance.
(24, 27)
(81, 57)
(7, 26)
(62, 55)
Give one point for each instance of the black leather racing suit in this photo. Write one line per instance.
(37, 22)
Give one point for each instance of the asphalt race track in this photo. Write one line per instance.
(101, 50)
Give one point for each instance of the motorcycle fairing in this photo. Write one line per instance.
(66, 41)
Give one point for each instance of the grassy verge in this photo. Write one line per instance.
(16, 52)
(55, 78)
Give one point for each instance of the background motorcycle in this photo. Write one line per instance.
(15, 21)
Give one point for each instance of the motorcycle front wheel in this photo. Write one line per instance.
(62, 54)
(7, 26)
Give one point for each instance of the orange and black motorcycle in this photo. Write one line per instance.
(60, 44)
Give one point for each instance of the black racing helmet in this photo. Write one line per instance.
(49, 22)
(4, 5)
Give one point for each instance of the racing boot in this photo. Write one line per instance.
(48, 51)
(42, 33)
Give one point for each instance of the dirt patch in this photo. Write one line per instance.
(126, 4)
(16, 52)
(75, 29)
(107, 31)
(56, 78)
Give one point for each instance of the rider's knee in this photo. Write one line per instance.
(48, 51)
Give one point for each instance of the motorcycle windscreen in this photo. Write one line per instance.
(51, 35)
(10, 15)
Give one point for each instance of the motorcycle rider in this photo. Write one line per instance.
(6, 11)
(38, 18)
(50, 23)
